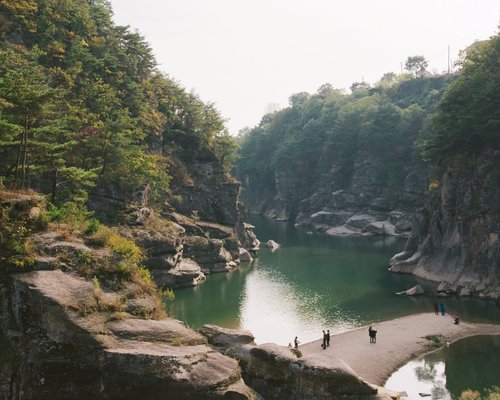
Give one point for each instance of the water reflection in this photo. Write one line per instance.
(275, 311)
(472, 363)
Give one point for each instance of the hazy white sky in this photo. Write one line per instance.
(244, 54)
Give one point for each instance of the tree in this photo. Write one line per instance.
(469, 112)
(359, 86)
(416, 64)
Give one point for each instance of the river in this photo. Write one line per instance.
(314, 282)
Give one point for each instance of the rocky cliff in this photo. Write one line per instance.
(344, 164)
(196, 229)
(367, 204)
(79, 318)
(455, 238)
(63, 340)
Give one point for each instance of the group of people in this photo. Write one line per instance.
(441, 308)
(372, 333)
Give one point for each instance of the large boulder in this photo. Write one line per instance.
(244, 255)
(186, 272)
(226, 338)
(211, 254)
(273, 245)
(276, 373)
(414, 291)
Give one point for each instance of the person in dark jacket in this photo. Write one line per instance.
(372, 333)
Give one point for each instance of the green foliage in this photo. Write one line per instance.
(437, 340)
(416, 64)
(74, 214)
(93, 225)
(83, 109)
(468, 120)
(318, 140)
(111, 239)
(15, 227)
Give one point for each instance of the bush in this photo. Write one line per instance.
(491, 394)
(93, 226)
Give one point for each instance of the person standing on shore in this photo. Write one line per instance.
(442, 308)
(296, 342)
(372, 333)
(328, 338)
(436, 309)
(323, 345)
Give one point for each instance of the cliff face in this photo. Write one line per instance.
(62, 341)
(196, 229)
(79, 320)
(455, 239)
(369, 203)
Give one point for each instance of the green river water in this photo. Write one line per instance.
(315, 282)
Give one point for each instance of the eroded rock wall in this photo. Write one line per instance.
(62, 344)
(365, 204)
(456, 236)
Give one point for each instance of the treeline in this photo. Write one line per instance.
(83, 106)
(320, 138)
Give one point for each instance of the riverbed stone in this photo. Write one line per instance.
(272, 245)
(414, 291)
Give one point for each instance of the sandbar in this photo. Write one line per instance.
(398, 341)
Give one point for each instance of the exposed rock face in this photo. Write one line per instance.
(61, 343)
(367, 205)
(456, 237)
(181, 250)
(205, 202)
(276, 373)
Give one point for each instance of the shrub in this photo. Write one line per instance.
(491, 394)
(435, 339)
(92, 226)
(125, 247)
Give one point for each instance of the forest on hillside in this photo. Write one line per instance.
(396, 125)
(84, 108)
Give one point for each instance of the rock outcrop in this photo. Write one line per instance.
(276, 372)
(181, 251)
(62, 341)
(456, 236)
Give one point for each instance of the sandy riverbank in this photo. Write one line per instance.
(398, 341)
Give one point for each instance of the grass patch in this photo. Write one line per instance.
(437, 340)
